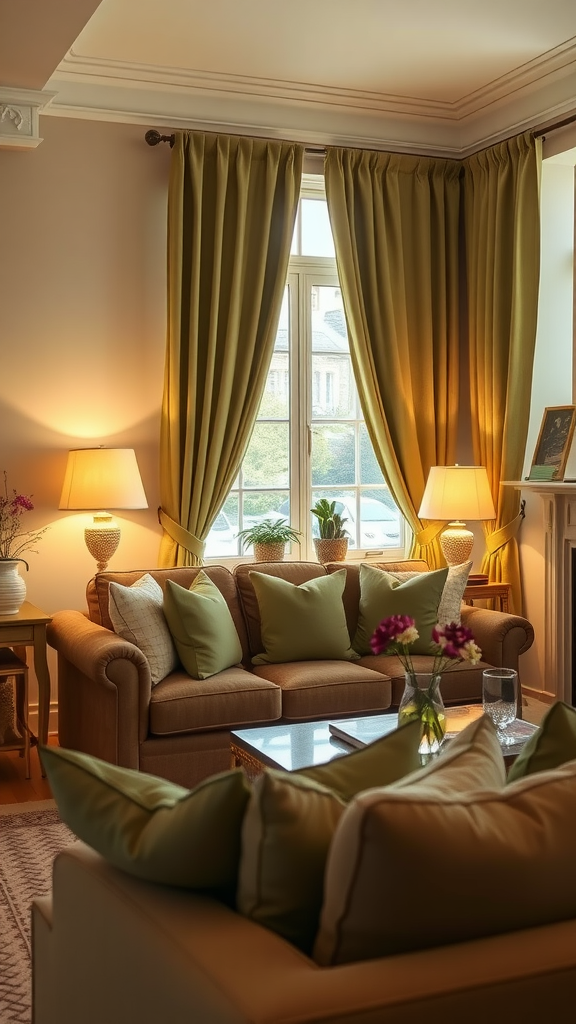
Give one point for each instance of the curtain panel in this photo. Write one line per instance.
(231, 211)
(502, 226)
(395, 221)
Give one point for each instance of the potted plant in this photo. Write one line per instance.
(332, 544)
(269, 539)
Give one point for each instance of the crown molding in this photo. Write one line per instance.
(97, 89)
(19, 120)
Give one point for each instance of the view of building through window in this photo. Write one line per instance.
(310, 440)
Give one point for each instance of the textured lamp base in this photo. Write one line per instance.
(102, 539)
(456, 543)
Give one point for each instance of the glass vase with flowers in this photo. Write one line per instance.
(422, 699)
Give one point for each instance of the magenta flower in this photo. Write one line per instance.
(392, 631)
(13, 540)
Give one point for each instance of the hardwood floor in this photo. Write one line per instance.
(15, 788)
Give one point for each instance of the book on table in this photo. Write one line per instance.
(358, 732)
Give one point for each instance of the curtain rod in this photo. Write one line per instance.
(154, 138)
(539, 133)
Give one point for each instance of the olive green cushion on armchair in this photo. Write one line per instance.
(149, 827)
(552, 744)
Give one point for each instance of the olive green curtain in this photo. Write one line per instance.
(231, 211)
(502, 223)
(395, 221)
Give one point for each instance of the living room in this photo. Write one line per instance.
(83, 245)
(84, 255)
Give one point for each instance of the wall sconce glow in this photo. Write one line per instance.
(456, 493)
(102, 478)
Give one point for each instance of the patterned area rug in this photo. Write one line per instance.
(28, 842)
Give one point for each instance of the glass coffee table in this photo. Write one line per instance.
(295, 745)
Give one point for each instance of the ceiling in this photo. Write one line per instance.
(448, 76)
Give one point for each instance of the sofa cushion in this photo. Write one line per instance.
(316, 689)
(202, 627)
(460, 853)
(289, 825)
(381, 595)
(552, 744)
(137, 616)
(230, 699)
(302, 623)
(149, 827)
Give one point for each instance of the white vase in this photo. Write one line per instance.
(12, 586)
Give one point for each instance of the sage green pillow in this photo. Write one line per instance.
(202, 627)
(381, 595)
(552, 745)
(149, 827)
(288, 828)
(302, 623)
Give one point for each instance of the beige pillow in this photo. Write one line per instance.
(137, 616)
(302, 623)
(289, 825)
(467, 862)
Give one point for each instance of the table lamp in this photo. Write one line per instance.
(98, 478)
(457, 493)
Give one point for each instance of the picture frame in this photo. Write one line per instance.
(554, 442)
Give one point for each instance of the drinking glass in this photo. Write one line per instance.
(499, 693)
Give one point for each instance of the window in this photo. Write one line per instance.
(310, 440)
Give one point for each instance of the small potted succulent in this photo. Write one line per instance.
(269, 539)
(332, 544)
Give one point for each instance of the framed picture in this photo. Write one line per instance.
(554, 441)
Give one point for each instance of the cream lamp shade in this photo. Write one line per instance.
(457, 494)
(98, 479)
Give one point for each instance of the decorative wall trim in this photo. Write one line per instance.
(19, 117)
(557, 61)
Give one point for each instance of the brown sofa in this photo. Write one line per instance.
(111, 948)
(180, 728)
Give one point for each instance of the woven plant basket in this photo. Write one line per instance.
(331, 549)
(269, 552)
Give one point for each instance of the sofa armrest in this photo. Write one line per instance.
(104, 688)
(501, 637)
(112, 948)
(90, 647)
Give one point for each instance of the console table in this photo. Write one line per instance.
(27, 628)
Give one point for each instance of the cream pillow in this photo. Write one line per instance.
(458, 857)
(137, 616)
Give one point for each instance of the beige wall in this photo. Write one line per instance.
(82, 332)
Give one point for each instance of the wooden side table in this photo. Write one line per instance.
(488, 591)
(14, 701)
(27, 628)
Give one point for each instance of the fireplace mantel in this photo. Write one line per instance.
(559, 524)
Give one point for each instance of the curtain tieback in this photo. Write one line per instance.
(429, 533)
(501, 537)
(182, 537)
